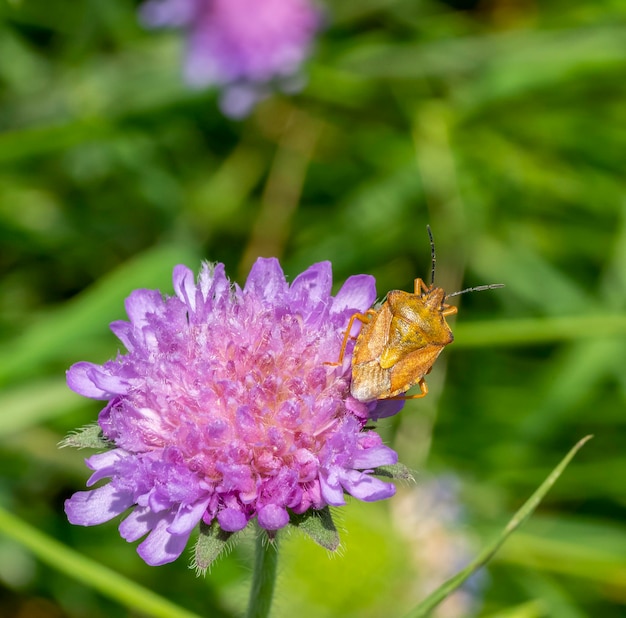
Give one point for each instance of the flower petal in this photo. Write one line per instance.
(161, 547)
(103, 464)
(141, 303)
(236, 100)
(80, 379)
(273, 517)
(358, 293)
(156, 13)
(188, 517)
(110, 384)
(380, 455)
(366, 487)
(266, 279)
(213, 283)
(88, 508)
(185, 286)
(140, 521)
(332, 492)
(385, 408)
(232, 520)
(313, 285)
(124, 332)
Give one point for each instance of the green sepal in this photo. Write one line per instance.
(395, 471)
(210, 544)
(90, 436)
(319, 525)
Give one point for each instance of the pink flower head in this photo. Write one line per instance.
(224, 408)
(240, 45)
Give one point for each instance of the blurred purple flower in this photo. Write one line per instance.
(240, 46)
(433, 521)
(224, 410)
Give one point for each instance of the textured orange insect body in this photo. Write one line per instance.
(399, 343)
(401, 339)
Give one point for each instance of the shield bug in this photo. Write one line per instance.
(401, 339)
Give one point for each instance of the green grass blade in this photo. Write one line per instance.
(537, 331)
(428, 604)
(106, 581)
(89, 313)
(28, 405)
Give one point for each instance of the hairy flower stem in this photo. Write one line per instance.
(264, 576)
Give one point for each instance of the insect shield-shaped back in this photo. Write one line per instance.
(401, 339)
(399, 342)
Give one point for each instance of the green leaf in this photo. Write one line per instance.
(90, 436)
(210, 544)
(88, 313)
(436, 597)
(90, 573)
(318, 525)
(539, 330)
(25, 406)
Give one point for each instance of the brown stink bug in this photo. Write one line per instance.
(401, 339)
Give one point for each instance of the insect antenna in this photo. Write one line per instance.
(479, 288)
(433, 257)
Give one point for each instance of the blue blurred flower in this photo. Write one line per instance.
(433, 520)
(242, 47)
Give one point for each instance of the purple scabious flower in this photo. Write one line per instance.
(225, 409)
(240, 46)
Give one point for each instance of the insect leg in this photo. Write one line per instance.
(420, 287)
(362, 317)
(449, 310)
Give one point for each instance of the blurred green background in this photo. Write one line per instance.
(501, 123)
